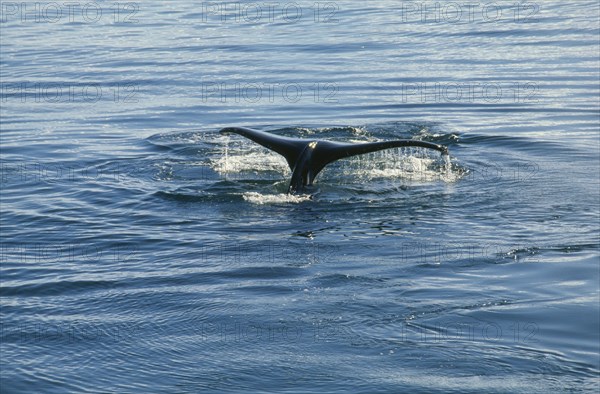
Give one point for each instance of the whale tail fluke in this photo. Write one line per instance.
(307, 158)
(290, 148)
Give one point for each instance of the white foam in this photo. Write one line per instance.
(237, 158)
(260, 199)
(400, 166)
(235, 163)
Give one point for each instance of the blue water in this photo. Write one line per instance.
(141, 251)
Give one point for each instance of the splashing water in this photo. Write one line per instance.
(414, 164)
(226, 155)
(411, 164)
(221, 165)
(239, 158)
(281, 198)
(447, 165)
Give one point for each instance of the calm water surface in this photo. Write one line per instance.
(142, 251)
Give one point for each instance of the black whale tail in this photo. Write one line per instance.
(307, 158)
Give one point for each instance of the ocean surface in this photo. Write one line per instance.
(143, 252)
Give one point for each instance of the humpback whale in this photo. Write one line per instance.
(307, 158)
